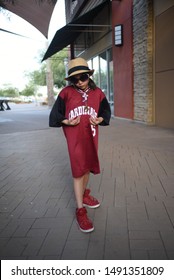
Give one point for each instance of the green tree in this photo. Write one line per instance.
(38, 77)
(28, 91)
(58, 68)
(9, 92)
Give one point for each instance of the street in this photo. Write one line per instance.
(23, 117)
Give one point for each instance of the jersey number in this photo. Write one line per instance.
(93, 130)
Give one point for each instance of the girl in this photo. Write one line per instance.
(79, 109)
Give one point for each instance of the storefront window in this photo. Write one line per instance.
(111, 82)
(90, 64)
(103, 74)
(96, 75)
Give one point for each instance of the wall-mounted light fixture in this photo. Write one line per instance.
(119, 35)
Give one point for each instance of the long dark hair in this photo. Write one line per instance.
(91, 84)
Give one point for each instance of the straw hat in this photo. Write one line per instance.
(77, 66)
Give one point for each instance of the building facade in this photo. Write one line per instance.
(130, 45)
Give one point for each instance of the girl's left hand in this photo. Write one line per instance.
(95, 121)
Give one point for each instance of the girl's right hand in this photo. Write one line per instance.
(72, 122)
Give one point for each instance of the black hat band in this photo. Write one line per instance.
(76, 68)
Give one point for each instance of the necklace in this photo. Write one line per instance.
(84, 94)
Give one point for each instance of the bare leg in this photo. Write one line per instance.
(79, 188)
(85, 181)
(83, 221)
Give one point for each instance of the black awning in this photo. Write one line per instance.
(68, 34)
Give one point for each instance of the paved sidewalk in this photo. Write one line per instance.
(136, 190)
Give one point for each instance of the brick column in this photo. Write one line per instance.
(143, 60)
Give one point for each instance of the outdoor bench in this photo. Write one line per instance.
(2, 103)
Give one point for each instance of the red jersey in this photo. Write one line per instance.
(82, 139)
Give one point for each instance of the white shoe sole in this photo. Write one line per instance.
(92, 207)
(85, 231)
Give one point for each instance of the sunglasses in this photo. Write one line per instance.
(84, 77)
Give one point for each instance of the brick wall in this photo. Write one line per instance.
(142, 60)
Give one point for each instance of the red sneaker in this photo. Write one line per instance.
(84, 222)
(89, 200)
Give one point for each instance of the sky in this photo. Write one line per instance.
(19, 55)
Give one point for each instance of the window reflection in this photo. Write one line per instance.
(103, 74)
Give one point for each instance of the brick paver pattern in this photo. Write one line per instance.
(135, 188)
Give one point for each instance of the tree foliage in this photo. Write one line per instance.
(58, 68)
(28, 90)
(38, 77)
(9, 92)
